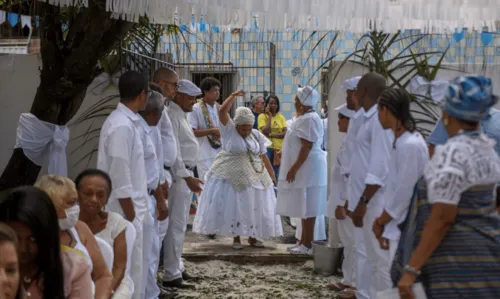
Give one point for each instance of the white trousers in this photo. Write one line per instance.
(319, 228)
(363, 277)
(136, 266)
(346, 231)
(178, 205)
(378, 260)
(152, 288)
(149, 235)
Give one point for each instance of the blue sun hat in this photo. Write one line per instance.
(470, 98)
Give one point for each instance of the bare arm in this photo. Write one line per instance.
(100, 273)
(279, 135)
(128, 208)
(120, 260)
(305, 148)
(269, 167)
(205, 132)
(226, 106)
(266, 130)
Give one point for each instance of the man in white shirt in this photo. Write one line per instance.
(184, 183)
(205, 123)
(158, 212)
(368, 175)
(121, 155)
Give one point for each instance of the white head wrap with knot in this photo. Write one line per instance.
(244, 116)
(308, 96)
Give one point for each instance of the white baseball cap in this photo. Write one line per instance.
(351, 84)
(342, 109)
(189, 88)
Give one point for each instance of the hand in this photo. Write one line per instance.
(340, 213)
(238, 93)
(216, 131)
(405, 284)
(161, 210)
(165, 190)
(194, 184)
(267, 111)
(384, 243)
(377, 229)
(274, 181)
(348, 213)
(359, 214)
(290, 177)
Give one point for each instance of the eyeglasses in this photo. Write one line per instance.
(176, 85)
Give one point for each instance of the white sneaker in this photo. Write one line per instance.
(302, 250)
(292, 247)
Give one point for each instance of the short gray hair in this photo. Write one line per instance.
(256, 99)
(155, 102)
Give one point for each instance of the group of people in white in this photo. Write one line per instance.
(113, 220)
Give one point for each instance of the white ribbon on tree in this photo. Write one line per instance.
(41, 140)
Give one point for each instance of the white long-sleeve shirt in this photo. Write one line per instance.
(370, 159)
(338, 190)
(355, 124)
(168, 139)
(121, 155)
(187, 145)
(408, 161)
(152, 151)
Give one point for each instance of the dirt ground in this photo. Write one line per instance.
(224, 280)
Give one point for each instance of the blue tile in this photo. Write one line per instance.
(490, 59)
(349, 36)
(451, 59)
(287, 45)
(278, 88)
(479, 51)
(287, 80)
(497, 50)
(460, 51)
(287, 62)
(234, 46)
(227, 37)
(252, 81)
(279, 54)
(260, 73)
(471, 42)
(226, 56)
(340, 44)
(469, 59)
(434, 43)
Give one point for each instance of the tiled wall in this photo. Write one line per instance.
(301, 54)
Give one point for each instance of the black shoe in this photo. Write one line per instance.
(186, 276)
(167, 295)
(211, 237)
(178, 284)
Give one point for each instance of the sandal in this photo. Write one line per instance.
(257, 244)
(349, 293)
(337, 286)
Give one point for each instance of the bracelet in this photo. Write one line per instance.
(412, 270)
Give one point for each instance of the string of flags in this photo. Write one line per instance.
(13, 19)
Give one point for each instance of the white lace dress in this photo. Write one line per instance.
(229, 211)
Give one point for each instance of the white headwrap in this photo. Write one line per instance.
(308, 96)
(244, 116)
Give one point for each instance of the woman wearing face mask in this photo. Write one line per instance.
(48, 269)
(94, 188)
(10, 277)
(76, 234)
(238, 198)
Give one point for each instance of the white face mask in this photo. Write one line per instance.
(72, 215)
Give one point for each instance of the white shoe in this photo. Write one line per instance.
(237, 246)
(302, 250)
(292, 247)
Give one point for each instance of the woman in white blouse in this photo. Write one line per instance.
(302, 184)
(94, 188)
(409, 158)
(238, 198)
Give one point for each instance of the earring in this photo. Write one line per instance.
(445, 122)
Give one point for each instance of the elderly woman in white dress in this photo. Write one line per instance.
(238, 197)
(302, 185)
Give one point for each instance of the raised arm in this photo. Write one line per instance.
(228, 103)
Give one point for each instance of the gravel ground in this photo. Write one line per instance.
(220, 279)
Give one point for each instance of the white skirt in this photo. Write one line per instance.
(224, 211)
(301, 202)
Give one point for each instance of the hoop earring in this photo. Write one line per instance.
(445, 122)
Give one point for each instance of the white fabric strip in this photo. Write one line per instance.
(41, 141)
(26, 21)
(354, 15)
(3, 16)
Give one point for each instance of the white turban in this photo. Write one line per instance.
(244, 116)
(308, 96)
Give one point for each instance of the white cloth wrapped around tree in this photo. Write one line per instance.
(43, 142)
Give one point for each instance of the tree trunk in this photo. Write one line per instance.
(68, 67)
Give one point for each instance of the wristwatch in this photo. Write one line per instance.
(364, 200)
